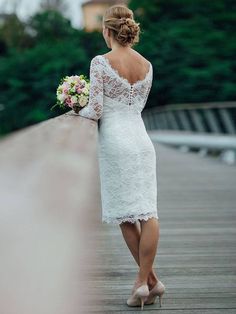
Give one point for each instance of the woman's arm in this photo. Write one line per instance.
(93, 110)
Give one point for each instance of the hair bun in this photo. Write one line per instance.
(123, 20)
(119, 19)
(128, 31)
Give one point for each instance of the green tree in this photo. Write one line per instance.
(28, 89)
(191, 46)
(13, 34)
(50, 26)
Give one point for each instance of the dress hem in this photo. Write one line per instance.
(145, 217)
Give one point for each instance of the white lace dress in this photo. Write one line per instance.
(127, 158)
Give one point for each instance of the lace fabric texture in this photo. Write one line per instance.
(93, 110)
(127, 158)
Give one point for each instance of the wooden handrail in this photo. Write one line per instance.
(49, 215)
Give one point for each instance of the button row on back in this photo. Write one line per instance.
(131, 94)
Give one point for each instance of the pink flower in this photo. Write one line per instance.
(68, 101)
(65, 85)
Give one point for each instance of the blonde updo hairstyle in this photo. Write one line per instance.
(120, 21)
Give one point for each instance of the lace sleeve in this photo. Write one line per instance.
(93, 110)
(149, 85)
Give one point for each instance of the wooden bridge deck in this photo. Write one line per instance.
(196, 257)
(53, 245)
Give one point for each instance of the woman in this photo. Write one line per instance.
(120, 82)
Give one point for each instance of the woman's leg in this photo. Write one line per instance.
(147, 247)
(132, 233)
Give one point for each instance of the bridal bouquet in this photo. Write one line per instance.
(73, 92)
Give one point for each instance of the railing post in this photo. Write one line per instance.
(227, 120)
(184, 119)
(212, 120)
(197, 120)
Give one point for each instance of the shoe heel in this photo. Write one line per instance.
(157, 291)
(142, 292)
(160, 299)
(142, 302)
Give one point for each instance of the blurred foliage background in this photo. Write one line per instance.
(190, 44)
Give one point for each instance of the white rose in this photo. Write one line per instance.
(61, 97)
(69, 82)
(83, 101)
(59, 90)
(85, 91)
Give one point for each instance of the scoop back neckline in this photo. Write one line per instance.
(123, 78)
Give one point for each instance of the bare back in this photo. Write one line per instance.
(129, 64)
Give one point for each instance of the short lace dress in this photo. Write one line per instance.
(127, 158)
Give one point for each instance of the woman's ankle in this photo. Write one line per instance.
(138, 283)
(152, 280)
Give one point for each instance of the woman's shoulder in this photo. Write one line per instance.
(132, 57)
(96, 61)
(141, 57)
(97, 57)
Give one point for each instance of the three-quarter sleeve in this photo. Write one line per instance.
(149, 84)
(93, 110)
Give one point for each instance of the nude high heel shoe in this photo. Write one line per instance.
(157, 290)
(139, 296)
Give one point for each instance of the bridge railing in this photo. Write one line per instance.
(196, 117)
(209, 128)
